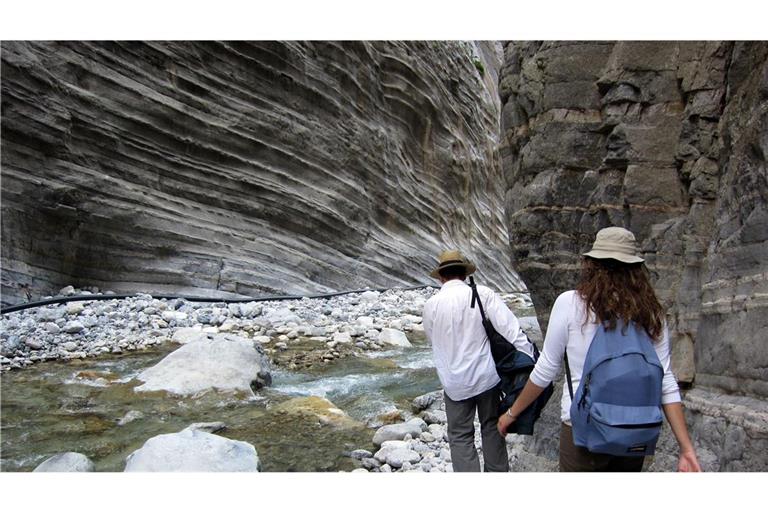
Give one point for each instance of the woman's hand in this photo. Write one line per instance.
(688, 463)
(505, 420)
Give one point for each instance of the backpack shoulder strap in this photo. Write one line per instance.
(568, 373)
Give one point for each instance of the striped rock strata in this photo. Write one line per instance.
(247, 168)
(668, 140)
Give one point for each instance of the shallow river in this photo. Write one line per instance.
(76, 406)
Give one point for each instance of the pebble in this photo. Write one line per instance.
(34, 344)
(129, 417)
(227, 327)
(67, 290)
(370, 463)
(75, 308)
(342, 337)
(73, 327)
(361, 454)
(427, 437)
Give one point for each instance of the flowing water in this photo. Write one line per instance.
(77, 405)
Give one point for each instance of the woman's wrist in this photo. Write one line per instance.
(509, 414)
(687, 449)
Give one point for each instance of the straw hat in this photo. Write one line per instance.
(615, 243)
(453, 259)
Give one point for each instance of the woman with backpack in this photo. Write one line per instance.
(612, 335)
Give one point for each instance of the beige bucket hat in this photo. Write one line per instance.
(615, 243)
(452, 258)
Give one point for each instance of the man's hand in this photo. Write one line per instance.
(505, 420)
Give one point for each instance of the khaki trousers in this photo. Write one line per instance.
(461, 433)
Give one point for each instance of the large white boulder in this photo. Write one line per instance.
(394, 337)
(225, 363)
(69, 462)
(193, 450)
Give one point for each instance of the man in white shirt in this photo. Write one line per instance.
(464, 363)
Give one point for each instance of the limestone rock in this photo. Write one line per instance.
(193, 450)
(434, 417)
(398, 431)
(394, 337)
(314, 408)
(211, 427)
(342, 337)
(224, 364)
(73, 327)
(66, 462)
(426, 401)
(129, 417)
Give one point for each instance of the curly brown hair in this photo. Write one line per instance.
(614, 290)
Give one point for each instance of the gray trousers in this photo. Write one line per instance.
(461, 433)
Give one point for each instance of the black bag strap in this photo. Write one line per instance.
(476, 298)
(568, 373)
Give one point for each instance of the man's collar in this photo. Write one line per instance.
(452, 283)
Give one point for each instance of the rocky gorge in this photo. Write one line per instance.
(238, 169)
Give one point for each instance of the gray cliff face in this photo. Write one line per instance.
(237, 168)
(668, 140)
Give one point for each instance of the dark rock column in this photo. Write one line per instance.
(667, 139)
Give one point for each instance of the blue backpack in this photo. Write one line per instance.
(617, 407)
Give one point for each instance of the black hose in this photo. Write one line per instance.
(74, 298)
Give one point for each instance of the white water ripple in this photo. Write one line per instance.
(335, 386)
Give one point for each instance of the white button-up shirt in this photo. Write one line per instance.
(460, 347)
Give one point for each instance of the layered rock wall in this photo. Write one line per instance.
(667, 139)
(245, 168)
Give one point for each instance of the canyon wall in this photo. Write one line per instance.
(248, 168)
(669, 140)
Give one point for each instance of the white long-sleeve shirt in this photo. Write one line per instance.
(460, 347)
(567, 330)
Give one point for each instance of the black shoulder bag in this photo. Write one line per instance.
(513, 368)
